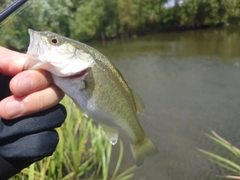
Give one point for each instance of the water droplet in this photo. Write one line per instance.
(113, 142)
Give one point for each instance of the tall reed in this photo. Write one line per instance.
(230, 163)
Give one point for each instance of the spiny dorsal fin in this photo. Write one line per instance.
(138, 102)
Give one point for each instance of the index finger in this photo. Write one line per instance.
(11, 62)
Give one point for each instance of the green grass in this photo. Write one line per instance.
(83, 152)
(225, 162)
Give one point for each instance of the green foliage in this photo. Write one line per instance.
(99, 19)
(231, 164)
(126, 14)
(94, 18)
(208, 12)
(83, 152)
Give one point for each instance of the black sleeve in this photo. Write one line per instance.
(28, 139)
(7, 169)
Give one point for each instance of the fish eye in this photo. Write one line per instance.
(55, 40)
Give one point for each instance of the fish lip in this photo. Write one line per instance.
(32, 54)
(34, 42)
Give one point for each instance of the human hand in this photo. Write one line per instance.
(33, 90)
(26, 139)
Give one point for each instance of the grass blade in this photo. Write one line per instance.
(219, 158)
(232, 177)
(119, 161)
(221, 161)
(31, 172)
(123, 174)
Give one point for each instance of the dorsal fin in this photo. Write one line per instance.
(138, 102)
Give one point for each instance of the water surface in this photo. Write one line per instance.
(189, 82)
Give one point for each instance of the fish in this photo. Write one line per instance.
(95, 85)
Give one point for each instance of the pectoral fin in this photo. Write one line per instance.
(111, 133)
(138, 102)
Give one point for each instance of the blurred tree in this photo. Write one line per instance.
(198, 13)
(94, 19)
(127, 16)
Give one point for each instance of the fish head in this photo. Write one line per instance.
(61, 56)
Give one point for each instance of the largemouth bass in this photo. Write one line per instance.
(94, 84)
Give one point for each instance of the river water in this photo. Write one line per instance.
(189, 82)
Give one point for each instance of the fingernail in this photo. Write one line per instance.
(25, 85)
(14, 108)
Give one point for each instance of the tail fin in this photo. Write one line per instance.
(143, 149)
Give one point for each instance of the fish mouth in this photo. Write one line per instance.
(79, 74)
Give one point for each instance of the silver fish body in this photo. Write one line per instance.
(98, 88)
